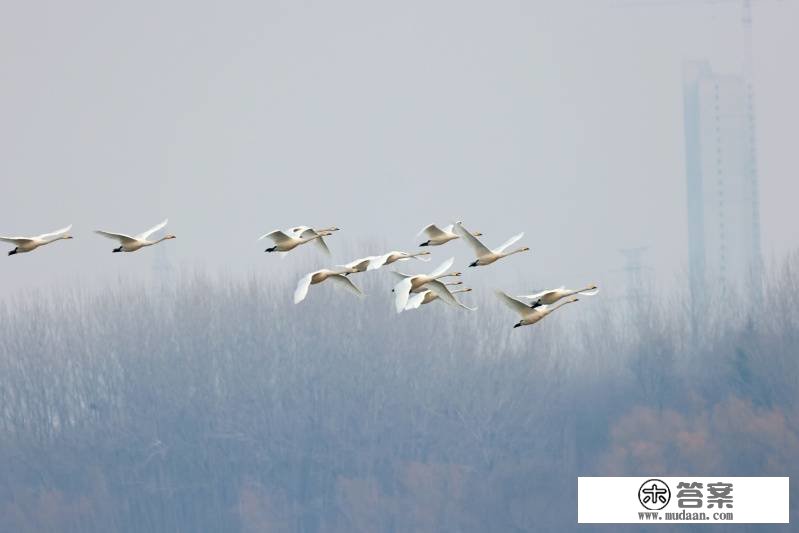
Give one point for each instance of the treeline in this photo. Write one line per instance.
(212, 404)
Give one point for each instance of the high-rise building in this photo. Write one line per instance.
(722, 184)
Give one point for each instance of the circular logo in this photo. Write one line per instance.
(654, 494)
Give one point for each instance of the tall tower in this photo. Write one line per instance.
(721, 179)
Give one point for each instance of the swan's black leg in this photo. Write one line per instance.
(115, 250)
(12, 252)
(425, 243)
(272, 249)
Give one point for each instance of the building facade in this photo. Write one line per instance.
(722, 182)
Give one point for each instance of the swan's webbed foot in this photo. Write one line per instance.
(425, 243)
(115, 250)
(12, 252)
(272, 249)
(517, 325)
(474, 264)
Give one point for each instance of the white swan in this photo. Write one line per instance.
(313, 278)
(394, 256)
(550, 296)
(402, 290)
(131, 244)
(530, 315)
(285, 242)
(484, 255)
(29, 244)
(427, 296)
(437, 236)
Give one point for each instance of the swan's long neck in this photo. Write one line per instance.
(48, 241)
(150, 243)
(567, 302)
(417, 254)
(449, 275)
(506, 254)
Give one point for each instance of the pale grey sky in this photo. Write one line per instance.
(559, 118)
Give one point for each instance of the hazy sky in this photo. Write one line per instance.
(559, 118)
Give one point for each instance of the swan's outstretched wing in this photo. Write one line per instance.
(306, 233)
(514, 304)
(415, 300)
(55, 233)
(509, 242)
(321, 244)
(401, 292)
(143, 236)
(121, 237)
(432, 231)
(540, 294)
(443, 267)
(440, 290)
(302, 287)
(345, 283)
(378, 261)
(399, 275)
(19, 241)
(277, 236)
(478, 247)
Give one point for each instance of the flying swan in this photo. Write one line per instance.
(29, 244)
(285, 242)
(137, 242)
(484, 255)
(437, 236)
(314, 278)
(550, 296)
(530, 315)
(408, 284)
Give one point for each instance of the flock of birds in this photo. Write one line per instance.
(410, 291)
